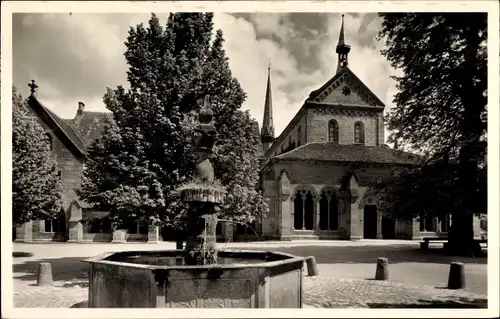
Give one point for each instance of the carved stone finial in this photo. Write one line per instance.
(33, 87)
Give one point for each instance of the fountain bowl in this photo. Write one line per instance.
(159, 279)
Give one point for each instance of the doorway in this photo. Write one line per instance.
(388, 228)
(370, 222)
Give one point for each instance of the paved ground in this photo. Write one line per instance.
(346, 269)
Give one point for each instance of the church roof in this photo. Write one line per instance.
(350, 153)
(89, 125)
(80, 132)
(61, 125)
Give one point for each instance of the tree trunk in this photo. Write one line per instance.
(461, 235)
(201, 234)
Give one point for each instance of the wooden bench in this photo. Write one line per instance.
(425, 243)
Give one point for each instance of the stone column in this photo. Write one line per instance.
(379, 225)
(119, 236)
(318, 208)
(153, 235)
(304, 212)
(356, 227)
(75, 231)
(24, 232)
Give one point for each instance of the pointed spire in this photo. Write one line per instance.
(267, 132)
(342, 49)
(341, 36)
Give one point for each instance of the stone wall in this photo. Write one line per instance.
(70, 166)
(317, 126)
(290, 134)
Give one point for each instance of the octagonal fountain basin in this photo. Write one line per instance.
(159, 279)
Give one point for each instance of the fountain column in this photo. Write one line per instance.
(202, 195)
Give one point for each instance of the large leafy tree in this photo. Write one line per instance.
(146, 151)
(36, 188)
(440, 110)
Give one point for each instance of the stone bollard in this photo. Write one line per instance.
(382, 272)
(312, 268)
(456, 279)
(44, 274)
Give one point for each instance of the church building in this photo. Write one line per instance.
(316, 174)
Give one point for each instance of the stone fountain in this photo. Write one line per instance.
(199, 276)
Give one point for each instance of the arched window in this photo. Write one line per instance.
(329, 214)
(333, 131)
(299, 136)
(303, 210)
(359, 133)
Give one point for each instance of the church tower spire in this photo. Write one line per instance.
(342, 49)
(267, 132)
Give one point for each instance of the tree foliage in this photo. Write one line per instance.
(36, 188)
(441, 112)
(146, 151)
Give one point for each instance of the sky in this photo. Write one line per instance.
(74, 57)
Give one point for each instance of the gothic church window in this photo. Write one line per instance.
(359, 133)
(333, 131)
(303, 218)
(329, 214)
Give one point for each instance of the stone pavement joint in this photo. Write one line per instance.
(319, 292)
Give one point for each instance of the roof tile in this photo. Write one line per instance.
(350, 153)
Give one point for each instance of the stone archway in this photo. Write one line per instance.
(303, 209)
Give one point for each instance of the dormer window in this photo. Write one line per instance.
(359, 133)
(333, 131)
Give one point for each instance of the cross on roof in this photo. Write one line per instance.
(33, 87)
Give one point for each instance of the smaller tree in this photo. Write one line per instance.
(36, 187)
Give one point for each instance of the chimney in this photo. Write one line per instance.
(81, 108)
(396, 144)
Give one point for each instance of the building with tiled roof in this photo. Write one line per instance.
(316, 174)
(69, 141)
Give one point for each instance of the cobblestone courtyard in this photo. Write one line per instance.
(346, 270)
